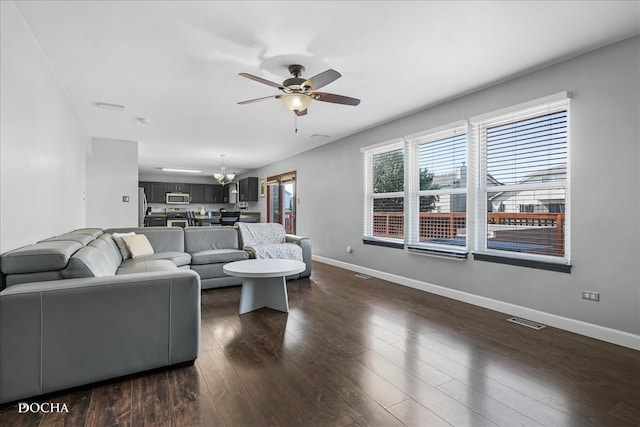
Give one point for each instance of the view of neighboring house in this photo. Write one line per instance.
(547, 200)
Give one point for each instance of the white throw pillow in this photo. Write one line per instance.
(138, 245)
(124, 251)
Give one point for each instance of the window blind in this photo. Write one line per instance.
(523, 206)
(533, 150)
(438, 191)
(384, 198)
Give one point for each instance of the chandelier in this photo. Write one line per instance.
(223, 177)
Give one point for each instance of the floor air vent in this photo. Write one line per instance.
(363, 276)
(528, 323)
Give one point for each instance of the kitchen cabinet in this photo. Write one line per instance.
(213, 193)
(227, 196)
(178, 187)
(208, 193)
(196, 192)
(155, 221)
(154, 191)
(248, 189)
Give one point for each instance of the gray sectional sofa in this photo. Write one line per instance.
(74, 312)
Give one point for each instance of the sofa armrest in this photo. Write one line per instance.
(305, 244)
(60, 334)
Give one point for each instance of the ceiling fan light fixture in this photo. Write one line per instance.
(298, 92)
(296, 101)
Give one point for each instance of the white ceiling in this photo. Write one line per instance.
(176, 63)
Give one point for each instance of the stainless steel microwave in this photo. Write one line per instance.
(177, 199)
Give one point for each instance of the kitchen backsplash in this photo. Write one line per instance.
(215, 207)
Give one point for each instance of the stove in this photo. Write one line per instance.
(177, 217)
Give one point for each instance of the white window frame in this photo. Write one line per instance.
(413, 192)
(550, 104)
(369, 196)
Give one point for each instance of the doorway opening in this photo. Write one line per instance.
(281, 200)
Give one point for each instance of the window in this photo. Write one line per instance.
(384, 198)
(437, 201)
(522, 200)
(418, 188)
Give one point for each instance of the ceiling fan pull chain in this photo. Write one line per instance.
(295, 123)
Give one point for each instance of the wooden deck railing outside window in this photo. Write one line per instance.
(527, 228)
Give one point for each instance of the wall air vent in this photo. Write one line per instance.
(528, 323)
(421, 250)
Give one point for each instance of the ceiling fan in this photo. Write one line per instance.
(299, 92)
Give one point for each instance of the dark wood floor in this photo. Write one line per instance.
(357, 352)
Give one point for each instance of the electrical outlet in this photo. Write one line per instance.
(591, 296)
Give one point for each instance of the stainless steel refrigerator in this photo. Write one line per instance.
(142, 206)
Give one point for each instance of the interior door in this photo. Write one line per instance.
(281, 200)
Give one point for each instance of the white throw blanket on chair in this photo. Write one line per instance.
(268, 240)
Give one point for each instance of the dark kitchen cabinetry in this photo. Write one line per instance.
(178, 187)
(196, 192)
(208, 193)
(154, 191)
(248, 189)
(155, 221)
(214, 194)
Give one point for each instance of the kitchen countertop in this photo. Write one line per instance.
(217, 215)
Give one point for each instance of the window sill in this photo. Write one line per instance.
(519, 262)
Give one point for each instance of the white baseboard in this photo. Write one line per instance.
(591, 330)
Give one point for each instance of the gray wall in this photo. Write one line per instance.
(605, 160)
(112, 172)
(42, 142)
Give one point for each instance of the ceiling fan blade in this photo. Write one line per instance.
(261, 80)
(301, 112)
(322, 79)
(251, 101)
(336, 99)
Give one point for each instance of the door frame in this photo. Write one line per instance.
(278, 180)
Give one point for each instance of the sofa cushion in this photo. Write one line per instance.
(138, 245)
(214, 256)
(162, 239)
(106, 243)
(178, 258)
(88, 262)
(98, 259)
(145, 266)
(43, 276)
(94, 232)
(83, 239)
(198, 239)
(43, 256)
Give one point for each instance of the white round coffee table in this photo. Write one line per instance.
(264, 282)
